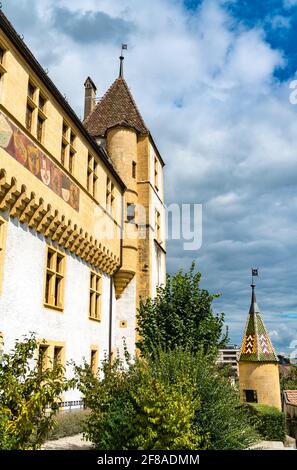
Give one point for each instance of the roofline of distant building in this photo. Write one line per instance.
(38, 69)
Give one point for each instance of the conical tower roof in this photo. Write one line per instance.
(256, 345)
(116, 107)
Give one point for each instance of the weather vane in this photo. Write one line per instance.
(124, 48)
(255, 273)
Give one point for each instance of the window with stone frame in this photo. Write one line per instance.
(95, 296)
(109, 195)
(92, 176)
(54, 279)
(157, 225)
(94, 360)
(131, 213)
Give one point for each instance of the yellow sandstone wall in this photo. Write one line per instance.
(264, 378)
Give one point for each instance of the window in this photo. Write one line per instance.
(156, 173)
(65, 130)
(54, 282)
(43, 357)
(67, 148)
(109, 195)
(41, 103)
(71, 161)
(92, 180)
(3, 226)
(40, 122)
(2, 68)
(95, 296)
(35, 117)
(134, 170)
(29, 115)
(2, 52)
(31, 91)
(94, 361)
(72, 138)
(131, 213)
(157, 225)
(50, 355)
(250, 396)
(57, 359)
(63, 154)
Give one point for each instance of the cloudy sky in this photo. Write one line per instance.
(212, 79)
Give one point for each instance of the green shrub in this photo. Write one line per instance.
(140, 407)
(171, 400)
(68, 423)
(29, 397)
(269, 421)
(220, 415)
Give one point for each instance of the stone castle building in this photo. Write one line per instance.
(258, 362)
(82, 218)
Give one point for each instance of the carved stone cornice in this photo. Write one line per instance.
(33, 211)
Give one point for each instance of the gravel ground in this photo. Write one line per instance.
(68, 443)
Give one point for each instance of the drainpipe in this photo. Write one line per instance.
(111, 279)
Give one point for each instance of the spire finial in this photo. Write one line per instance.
(124, 47)
(253, 285)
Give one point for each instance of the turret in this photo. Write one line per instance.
(258, 363)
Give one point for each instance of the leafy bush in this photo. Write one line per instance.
(68, 423)
(220, 415)
(269, 421)
(26, 392)
(180, 316)
(171, 400)
(140, 407)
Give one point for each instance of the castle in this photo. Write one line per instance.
(82, 217)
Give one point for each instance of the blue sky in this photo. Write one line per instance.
(211, 78)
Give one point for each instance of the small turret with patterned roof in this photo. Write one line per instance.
(258, 362)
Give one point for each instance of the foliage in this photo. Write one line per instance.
(269, 421)
(26, 391)
(220, 414)
(68, 423)
(173, 399)
(180, 316)
(288, 380)
(140, 407)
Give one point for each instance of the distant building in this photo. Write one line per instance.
(229, 356)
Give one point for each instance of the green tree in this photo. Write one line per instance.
(29, 396)
(180, 316)
(288, 380)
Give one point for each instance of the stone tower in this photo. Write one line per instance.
(117, 125)
(258, 363)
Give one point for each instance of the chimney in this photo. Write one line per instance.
(90, 96)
